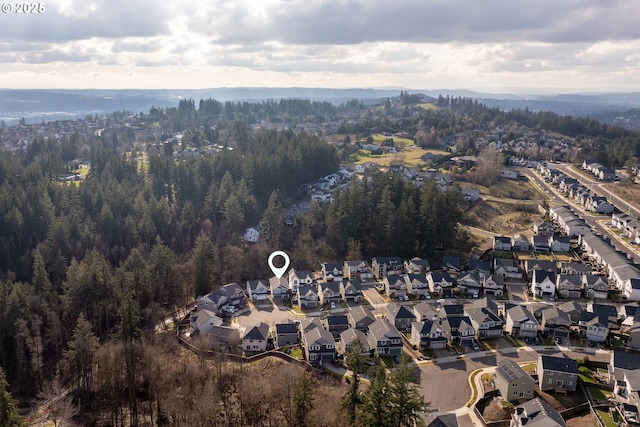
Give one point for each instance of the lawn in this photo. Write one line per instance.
(296, 352)
(586, 374)
(408, 157)
(598, 394)
(606, 418)
(427, 106)
(379, 139)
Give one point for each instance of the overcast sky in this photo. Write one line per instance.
(562, 45)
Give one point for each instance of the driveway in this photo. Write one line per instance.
(517, 291)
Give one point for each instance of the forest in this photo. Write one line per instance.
(87, 269)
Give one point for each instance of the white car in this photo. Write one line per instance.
(332, 305)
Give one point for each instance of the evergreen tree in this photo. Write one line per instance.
(9, 416)
(202, 259)
(302, 401)
(375, 411)
(82, 348)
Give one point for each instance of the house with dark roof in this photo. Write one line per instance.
(595, 286)
(451, 264)
(297, 278)
(559, 243)
(331, 271)
(555, 322)
(286, 333)
(501, 244)
(255, 339)
(493, 285)
(536, 413)
(400, 315)
(432, 419)
(336, 324)
(540, 243)
(481, 268)
(357, 270)
(428, 334)
(557, 373)
(329, 292)
(395, 286)
(507, 268)
(452, 310)
(484, 321)
(543, 283)
(386, 266)
(459, 329)
(597, 321)
(417, 284)
(307, 296)
(279, 289)
(384, 338)
(575, 268)
(351, 290)
(440, 283)
(569, 286)
(469, 284)
(318, 343)
(416, 266)
(513, 382)
(360, 317)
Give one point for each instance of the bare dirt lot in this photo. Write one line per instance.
(501, 218)
(630, 193)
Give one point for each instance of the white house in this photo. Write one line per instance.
(251, 235)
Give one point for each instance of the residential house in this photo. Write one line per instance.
(521, 323)
(469, 285)
(400, 315)
(307, 296)
(417, 284)
(394, 286)
(336, 324)
(426, 311)
(597, 321)
(622, 363)
(436, 419)
(451, 264)
(251, 234)
(349, 336)
(357, 270)
(297, 278)
(329, 292)
(386, 266)
(360, 317)
(384, 338)
(507, 268)
(351, 290)
(286, 333)
(332, 271)
(452, 310)
(203, 320)
(470, 194)
(520, 243)
(531, 265)
(543, 283)
(484, 320)
(440, 283)
(557, 373)
(575, 268)
(540, 243)
(555, 322)
(279, 288)
(230, 294)
(256, 338)
(510, 174)
(573, 309)
(459, 329)
(481, 268)
(223, 338)
(258, 290)
(428, 335)
(536, 412)
(513, 382)
(318, 343)
(543, 228)
(493, 285)
(569, 286)
(558, 243)
(595, 286)
(416, 266)
(631, 289)
(501, 244)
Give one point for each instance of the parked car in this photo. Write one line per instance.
(475, 346)
(333, 305)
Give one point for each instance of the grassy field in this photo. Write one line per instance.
(379, 139)
(628, 192)
(501, 218)
(409, 157)
(428, 106)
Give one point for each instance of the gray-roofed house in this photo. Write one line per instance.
(203, 320)
(502, 244)
(307, 296)
(329, 292)
(297, 278)
(349, 336)
(484, 321)
(493, 285)
(520, 322)
(543, 228)
(428, 335)
(557, 373)
(558, 243)
(360, 317)
(520, 243)
(536, 413)
(223, 338)
(432, 419)
(255, 338)
(481, 268)
(351, 290)
(318, 343)
(507, 268)
(425, 311)
(384, 338)
(451, 264)
(595, 286)
(469, 284)
(279, 289)
(258, 290)
(452, 310)
(555, 322)
(357, 270)
(459, 329)
(543, 283)
(573, 309)
(386, 266)
(597, 321)
(513, 382)
(394, 286)
(416, 266)
(400, 315)
(569, 286)
(540, 243)
(286, 334)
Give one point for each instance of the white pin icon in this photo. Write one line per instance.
(279, 271)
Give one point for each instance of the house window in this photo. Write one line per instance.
(550, 381)
(521, 394)
(560, 383)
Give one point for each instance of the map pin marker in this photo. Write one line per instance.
(279, 271)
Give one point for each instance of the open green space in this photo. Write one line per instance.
(606, 418)
(410, 157)
(586, 374)
(598, 394)
(379, 139)
(427, 106)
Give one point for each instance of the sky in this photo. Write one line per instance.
(558, 46)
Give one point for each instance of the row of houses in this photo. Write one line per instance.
(571, 187)
(603, 173)
(540, 243)
(628, 225)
